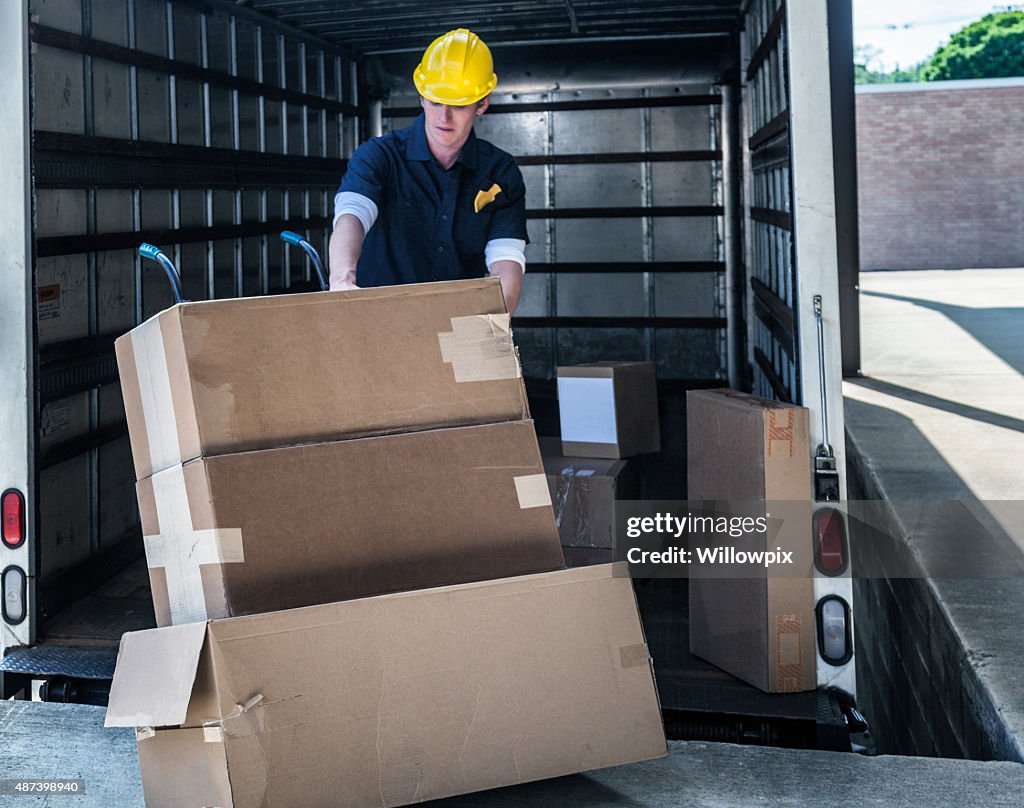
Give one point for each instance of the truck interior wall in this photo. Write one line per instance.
(246, 139)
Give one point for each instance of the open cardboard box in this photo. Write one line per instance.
(395, 699)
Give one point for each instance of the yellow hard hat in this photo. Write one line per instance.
(456, 68)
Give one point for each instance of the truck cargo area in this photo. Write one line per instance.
(685, 165)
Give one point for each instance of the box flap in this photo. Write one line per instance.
(154, 676)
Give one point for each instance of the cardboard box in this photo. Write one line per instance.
(219, 376)
(393, 700)
(583, 493)
(608, 409)
(742, 448)
(281, 528)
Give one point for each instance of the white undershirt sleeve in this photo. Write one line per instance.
(362, 207)
(505, 249)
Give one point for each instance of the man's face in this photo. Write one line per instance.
(448, 127)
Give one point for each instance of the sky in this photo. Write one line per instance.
(907, 31)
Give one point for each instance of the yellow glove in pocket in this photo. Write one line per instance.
(485, 198)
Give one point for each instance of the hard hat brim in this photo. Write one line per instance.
(449, 95)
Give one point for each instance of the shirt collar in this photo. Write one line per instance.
(419, 150)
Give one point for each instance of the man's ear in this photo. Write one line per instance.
(482, 105)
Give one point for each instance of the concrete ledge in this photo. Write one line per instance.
(941, 661)
(69, 741)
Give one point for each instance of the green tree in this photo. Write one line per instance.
(992, 47)
(867, 68)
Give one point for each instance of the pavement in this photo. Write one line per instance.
(936, 426)
(68, 741)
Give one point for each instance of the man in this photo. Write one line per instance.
(433, 202)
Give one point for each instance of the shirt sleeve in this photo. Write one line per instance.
(356, 204)
(510, 220)
(367, 173)
(505, 249)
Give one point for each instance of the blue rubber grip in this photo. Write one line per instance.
(149, 251)
(292, 238)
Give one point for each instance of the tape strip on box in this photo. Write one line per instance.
(180, 549)
(155, 392)
(533, 491)
(479, 348)
(788, 654)
(632, 656)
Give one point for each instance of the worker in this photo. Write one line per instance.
(433, 202)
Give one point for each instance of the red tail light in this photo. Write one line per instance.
(14, 518)
(829, 541)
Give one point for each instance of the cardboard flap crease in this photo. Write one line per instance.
(156, 670)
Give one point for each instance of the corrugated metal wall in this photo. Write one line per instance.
(201, 131)
(625, 259)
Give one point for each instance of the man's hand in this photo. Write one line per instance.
(511, 276)
(345, 246)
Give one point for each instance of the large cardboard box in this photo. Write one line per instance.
(745, 449)
(608, 409)
(392, 700)
(219, 376)
(279, 528)
(583, 492)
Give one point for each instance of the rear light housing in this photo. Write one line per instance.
(13, 595)
(835, 638)
(830, 545)
(12, 504)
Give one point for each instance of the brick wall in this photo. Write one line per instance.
(941, 175)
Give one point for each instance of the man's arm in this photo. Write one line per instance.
(344, 249)
(506, 260)
(511, 276)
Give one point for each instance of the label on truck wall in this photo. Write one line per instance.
(48, 302)
(55, 418)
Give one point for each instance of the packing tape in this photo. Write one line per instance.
(155, 392)
(142, 733)
(788, 652)
(213, 735)
(479, 348)
(533, 491)
(632, 656)
(780, 432)
(180, 549)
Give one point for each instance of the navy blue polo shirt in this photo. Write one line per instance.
(426, 227)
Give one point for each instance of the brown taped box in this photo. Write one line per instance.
(219, 376)
(583, 493)
(608, 409)
(742, 448)
(393, 700)
(280, 528)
